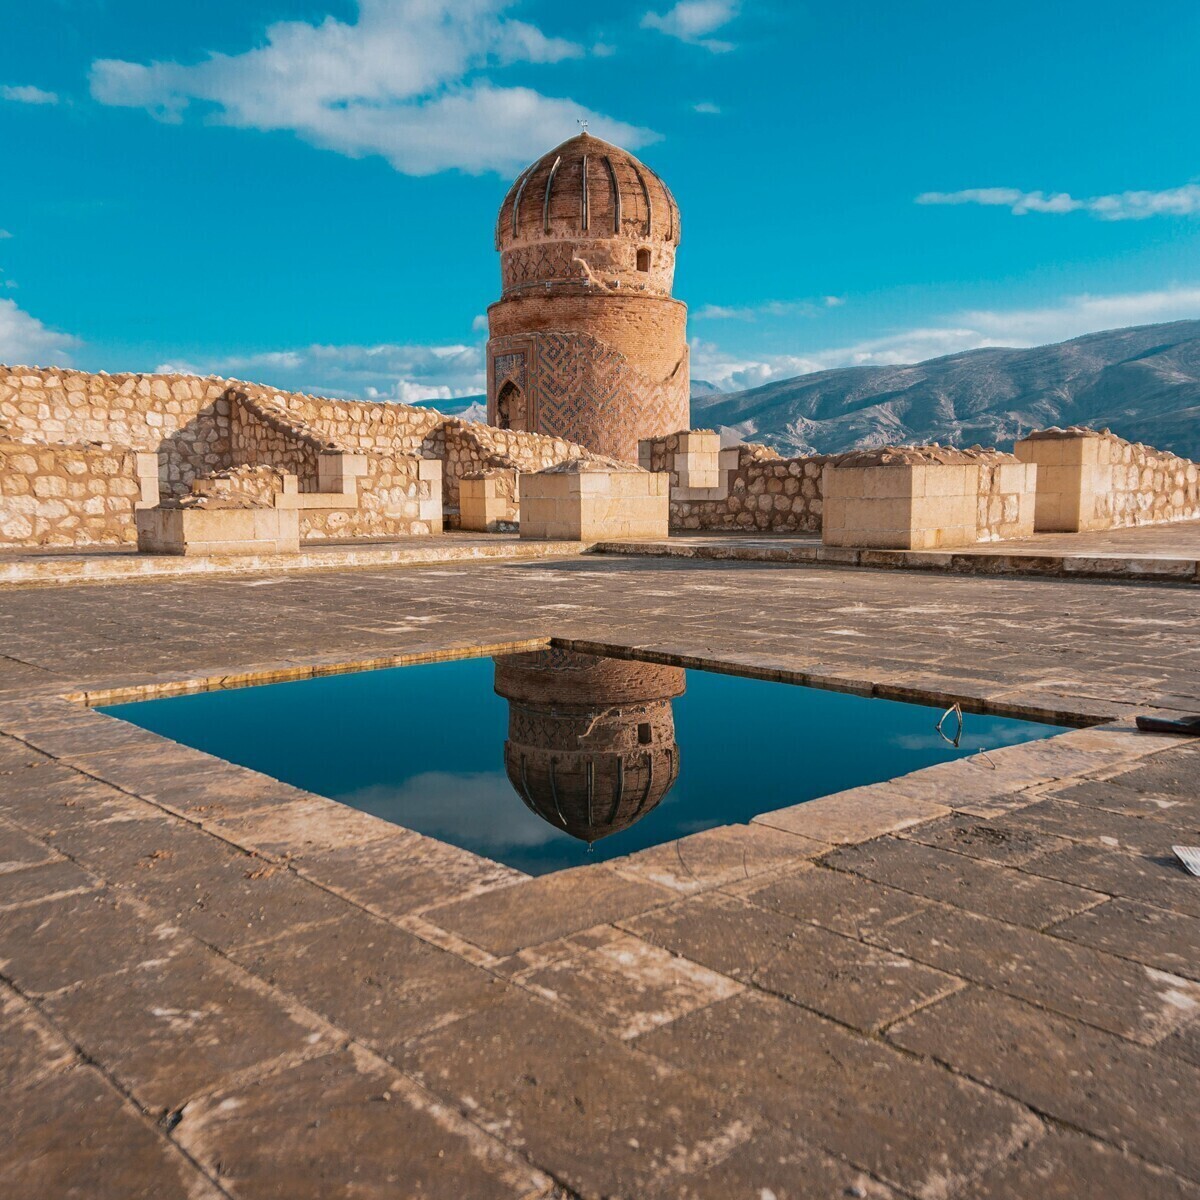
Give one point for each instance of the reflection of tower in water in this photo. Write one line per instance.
(591, 741)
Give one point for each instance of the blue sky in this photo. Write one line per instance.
(303, 191)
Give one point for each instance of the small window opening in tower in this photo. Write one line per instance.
(645, 737)
(643, 259)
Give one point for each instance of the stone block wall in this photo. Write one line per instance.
(756, 490)
(69, 427)
(1007, 495)
(591, 501)
(926, 498)
(183, 418)
(261, 433)
(1091, 480)
(489, 501)
(67, 495)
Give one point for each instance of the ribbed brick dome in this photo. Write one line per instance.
(587, 188)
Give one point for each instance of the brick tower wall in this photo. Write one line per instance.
(601, 370)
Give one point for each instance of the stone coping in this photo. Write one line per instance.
(31, 568)
(1128, 568)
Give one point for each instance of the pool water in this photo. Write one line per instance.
(554, 759)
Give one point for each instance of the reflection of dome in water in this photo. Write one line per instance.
(591, 741)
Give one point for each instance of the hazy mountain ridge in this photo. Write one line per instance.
(1142, 382)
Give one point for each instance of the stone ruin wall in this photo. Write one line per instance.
(69, 439)
(183, 418)
(465, 447)
(1148, 486)
(71, 494)
(765, 492)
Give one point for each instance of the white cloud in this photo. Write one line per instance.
(692, 20)
(409, 374)
(479, 323)
(25, 340)
(708, 108)
(1119, 206)
(402, 82)
(4, 234)
(768, 308)
(969, 330)
(478, 808)
(27, 94)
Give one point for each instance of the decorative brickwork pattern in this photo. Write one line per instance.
(578, 388)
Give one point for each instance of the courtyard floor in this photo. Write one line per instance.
(980, 980)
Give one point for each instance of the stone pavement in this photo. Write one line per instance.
(106, 564)
(1169, 553)
(980, 980)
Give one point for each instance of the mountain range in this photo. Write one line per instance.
(1142, 382)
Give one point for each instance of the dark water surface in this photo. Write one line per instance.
(531, 758)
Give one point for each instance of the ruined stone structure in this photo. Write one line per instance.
(1096, 480)
(591, 742)
(81, 454)
(586, 342)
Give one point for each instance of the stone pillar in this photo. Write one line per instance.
(581, 500)
(1074, 479)
(899, 500)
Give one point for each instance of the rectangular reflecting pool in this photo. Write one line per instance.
(553, 759)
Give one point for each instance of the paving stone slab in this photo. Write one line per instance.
(242, 901)
(18, 849)
(1183, 1043)
(90, 934)
(402, 872)
(907, 1122)
(974, 885)
(171, 1030)
(718, 856)
(1109, 794)
(79, 802)
(345, 1125)
(989, 840)
(380, 984)
(1145, 934)
(538, 1079)
(855, 815)
(1161, 880)
(547, 908)
(216, 891)
(835, 975)
(622, 983)
(29, 1045)
(58, 877)
(1099, 827)
(835, 900)
(300, 828)
(70, 1136)
(774, 1164)
(1137, 1002)
(1137, 1098)
(1068, 1166)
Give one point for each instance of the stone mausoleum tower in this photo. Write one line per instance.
(586, 342)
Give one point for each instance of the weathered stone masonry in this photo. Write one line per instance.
(80, 453)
